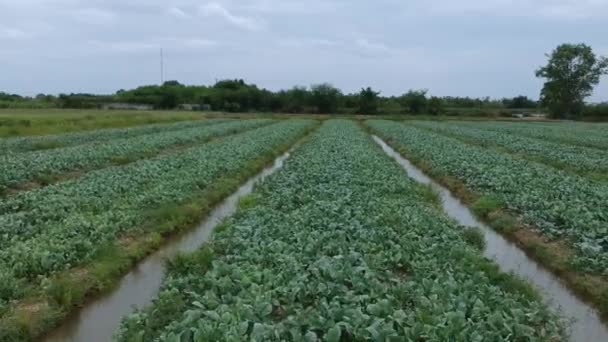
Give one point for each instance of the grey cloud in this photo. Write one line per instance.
(468, 47)
(554, 9)
(93, 16)
(215, 9)
(178, 13)
(13, 34)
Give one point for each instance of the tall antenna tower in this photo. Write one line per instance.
(162, 67)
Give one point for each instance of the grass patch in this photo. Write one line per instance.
(221, 228)
(198, 261)
(474, 237)
(510, 282)
(428, 194)
(503, 222)
(45, 180)
(46, 145)
(122, 160)
(64, 291)
(248, 201)
(485, 205)
(27, 122)
(167, 218)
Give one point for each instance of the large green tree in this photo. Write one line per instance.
(415, 101)
(326, 98)
(368, 101)
(435, 105)
(571, 73)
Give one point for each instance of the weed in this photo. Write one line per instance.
(474, 237)
(485, 205)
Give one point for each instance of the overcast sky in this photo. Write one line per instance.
(451, 47)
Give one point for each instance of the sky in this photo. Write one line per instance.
(458, 48)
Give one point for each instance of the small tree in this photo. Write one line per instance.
(368, 101)
(519, 102)
(296, 99)
(325, 97)
(172, 84)
(168, 100)
(415, 101)
(435, 105)
(572, 72)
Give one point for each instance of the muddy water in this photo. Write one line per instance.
(98, 320)
(586, 324)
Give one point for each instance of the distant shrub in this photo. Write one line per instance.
(485, 205)
(596, 112)
(474, 237)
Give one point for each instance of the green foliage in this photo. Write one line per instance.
(64, 292)
(168, 100)
(519, 102)
(341, 246)
(53, 229)
(199, 261)
(325, 97)
(55, 141)
(368, 101)
(415, 101)
(435, 106)
(20, 122)
(583, 160)
(83, 101)
(568, 135)
(475, 237)
(294, 100)
(247, 201)
(486, 205)
(87, 153)
(504, 222)
(558, 203)
(571, 72)
(240, 96)
(596, 111)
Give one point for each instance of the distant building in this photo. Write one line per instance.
(190, 106)
(127, 106)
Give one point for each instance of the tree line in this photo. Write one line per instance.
(239, 96)
(571, 73)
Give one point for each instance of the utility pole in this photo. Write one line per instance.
(162, 68)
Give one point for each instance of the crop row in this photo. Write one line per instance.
(576, 134)
(558, 203)
(22, 167)
(63, 225)
(24, 144)
(581, 159)
(339, 245)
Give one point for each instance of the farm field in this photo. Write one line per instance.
(54, 141)
(20, 122)
(44, 165)
(578, 134)
(338, 244)
(586, 161)
(566, 210)
(106, 218)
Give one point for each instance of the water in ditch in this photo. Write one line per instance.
(98, 320)
(586, 325)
